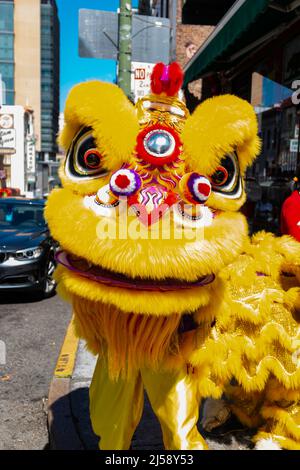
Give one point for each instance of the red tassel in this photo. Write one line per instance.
(176, 79)
(167, 79)
(156, 83)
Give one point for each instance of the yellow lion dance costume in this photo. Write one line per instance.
(166, 286)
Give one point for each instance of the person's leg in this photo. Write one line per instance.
(115, 408)
(175, 401)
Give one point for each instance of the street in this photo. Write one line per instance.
(33, 331)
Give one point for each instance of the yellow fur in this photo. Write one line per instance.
(285, 442)
(248, 318)
(219, 126)
(129, 341)
(105, 108)
(285, 418)
(76, 229)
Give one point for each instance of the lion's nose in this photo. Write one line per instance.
(151, 203)
(195, 188)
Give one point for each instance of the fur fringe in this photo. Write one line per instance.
(129, 341)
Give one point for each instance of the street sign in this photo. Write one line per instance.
(7, 141)
(30, 155)
(294, 145)
(6, 121)
(141, 79)
(98, 36)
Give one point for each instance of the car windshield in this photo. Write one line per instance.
(18, 215)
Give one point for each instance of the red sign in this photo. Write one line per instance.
(140, 74)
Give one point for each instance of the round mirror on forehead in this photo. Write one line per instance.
(159, 143)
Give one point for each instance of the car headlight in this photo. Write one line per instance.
(30, 253)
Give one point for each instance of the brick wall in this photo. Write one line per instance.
(195, 34)
(186, 33)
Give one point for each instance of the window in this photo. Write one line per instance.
(46, 115)
(46, 88)
(9, 98)
(7, 17)
(6, 46)
(7, 72)
(7, 49)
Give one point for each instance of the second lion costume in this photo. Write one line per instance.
(165, 285)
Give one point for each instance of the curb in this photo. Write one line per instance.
(67, 356)
(62, 430)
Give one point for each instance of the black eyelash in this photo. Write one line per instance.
(76, 162)
(230, 163)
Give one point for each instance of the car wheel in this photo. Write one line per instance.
(49, 284)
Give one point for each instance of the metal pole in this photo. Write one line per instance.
(125, 46)
(173, 20)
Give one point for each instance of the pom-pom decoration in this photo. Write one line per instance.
(125, 182)
(158, 145)
(195, 188)
(166, 79)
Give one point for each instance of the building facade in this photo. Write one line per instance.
(254, 53)
(192, 21)
(49, 78)
(187, 34)
(17, 149)
(29, 65)
(7, 51)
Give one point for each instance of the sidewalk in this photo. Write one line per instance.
(68, 409)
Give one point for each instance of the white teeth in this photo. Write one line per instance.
(204, 217)
(103, 209)
(104, 196)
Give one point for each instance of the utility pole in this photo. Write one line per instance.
(125, 46)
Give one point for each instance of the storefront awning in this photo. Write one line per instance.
(226, 37)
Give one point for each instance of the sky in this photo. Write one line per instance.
(74, 69)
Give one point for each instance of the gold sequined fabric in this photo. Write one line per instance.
(255, 343)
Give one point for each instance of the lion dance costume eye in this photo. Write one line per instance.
(165, 284)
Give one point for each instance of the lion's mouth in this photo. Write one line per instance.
(85, 269)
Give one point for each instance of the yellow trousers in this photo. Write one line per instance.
(116, 407)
